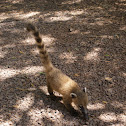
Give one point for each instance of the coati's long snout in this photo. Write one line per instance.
(60, 82)
(84, 112)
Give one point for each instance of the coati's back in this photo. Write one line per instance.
(58, 81)
(55, 77)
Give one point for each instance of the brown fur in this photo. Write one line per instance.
(58, 81)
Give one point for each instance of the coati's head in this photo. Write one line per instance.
(80, 99)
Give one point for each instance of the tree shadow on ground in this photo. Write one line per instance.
(88, 44)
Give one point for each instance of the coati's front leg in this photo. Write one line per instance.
(50, 90)
(67, 103)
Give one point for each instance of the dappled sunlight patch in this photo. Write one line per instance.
(69, 56)
(43, 88)
(107, 37)
(86, 33)
(76, 12)
(123, 28)
(29, 41)
(16, 1)
(71, 2)
(117, 104)
(35, 113)
(47, 39)
(17, 15)
(31, 70)
(21, 15)
(21, 105)
(74, 31)
(122, 118)
(6, 123)
(93, 55)
(9, 46)
(8, 73)
(121, 3)
(62, 15)
(39, 114)
(122, 0)
(3, 16)
(25, 103)
(99, 21)
(96, 106)
(35, 116)
(102, 21)
(2, 53)
(108, 117)
(59, 18)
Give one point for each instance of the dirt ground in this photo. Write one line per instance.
(86, 40)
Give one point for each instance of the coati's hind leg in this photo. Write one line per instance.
(67, 103)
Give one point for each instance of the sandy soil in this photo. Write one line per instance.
(86, 40)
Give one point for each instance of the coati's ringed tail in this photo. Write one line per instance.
(42, 50)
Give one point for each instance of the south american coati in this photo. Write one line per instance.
(59, 82)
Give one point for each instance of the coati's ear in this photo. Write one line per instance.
(73, 95)
(85, 90)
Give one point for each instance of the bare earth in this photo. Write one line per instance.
(86, 40)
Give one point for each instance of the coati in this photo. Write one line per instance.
(59, 82)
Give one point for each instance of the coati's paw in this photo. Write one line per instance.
(74, 113)
(53, 97)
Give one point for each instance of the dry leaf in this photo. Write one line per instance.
(108, 78)
(21, 52)
(69, 50)
(107, 55)
(62, 115)
(21, 89)
(77, 75)
(105, 102)
(32, 85)
(13, 57)
(15, 106)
